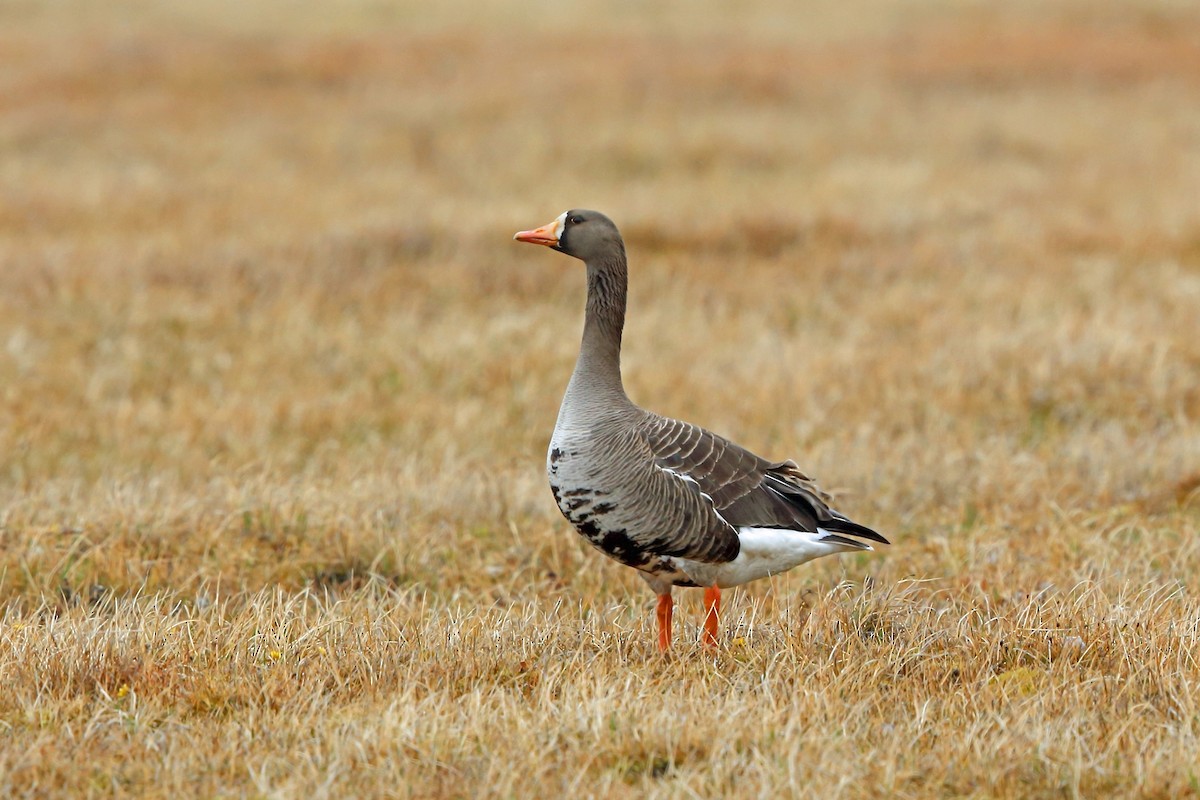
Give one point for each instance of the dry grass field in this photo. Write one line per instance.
(276, 388)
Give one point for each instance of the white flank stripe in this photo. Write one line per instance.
(765, 552)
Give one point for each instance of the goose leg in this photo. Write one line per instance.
(712, 612)
(665, 606)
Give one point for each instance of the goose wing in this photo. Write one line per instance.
(748, 491)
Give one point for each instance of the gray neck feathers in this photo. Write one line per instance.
(596, 383)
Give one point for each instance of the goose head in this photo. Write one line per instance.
(586, 235)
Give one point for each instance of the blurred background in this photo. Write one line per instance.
(257, 272)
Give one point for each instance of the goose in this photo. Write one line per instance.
(681, 505)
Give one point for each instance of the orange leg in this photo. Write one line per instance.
(712, 609)
(665, 605)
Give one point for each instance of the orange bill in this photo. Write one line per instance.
(544, 235)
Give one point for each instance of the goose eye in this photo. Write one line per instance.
(575, 220)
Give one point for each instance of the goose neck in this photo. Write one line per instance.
(598, 370)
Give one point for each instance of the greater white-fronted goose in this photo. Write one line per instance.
(683, 506)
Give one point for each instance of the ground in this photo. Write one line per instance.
(276, 387)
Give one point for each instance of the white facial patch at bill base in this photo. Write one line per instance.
(559, 225)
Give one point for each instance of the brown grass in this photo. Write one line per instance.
(275, 389)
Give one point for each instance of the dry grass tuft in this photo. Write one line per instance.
(275, 389)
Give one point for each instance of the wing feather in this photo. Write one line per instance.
(746, 490)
